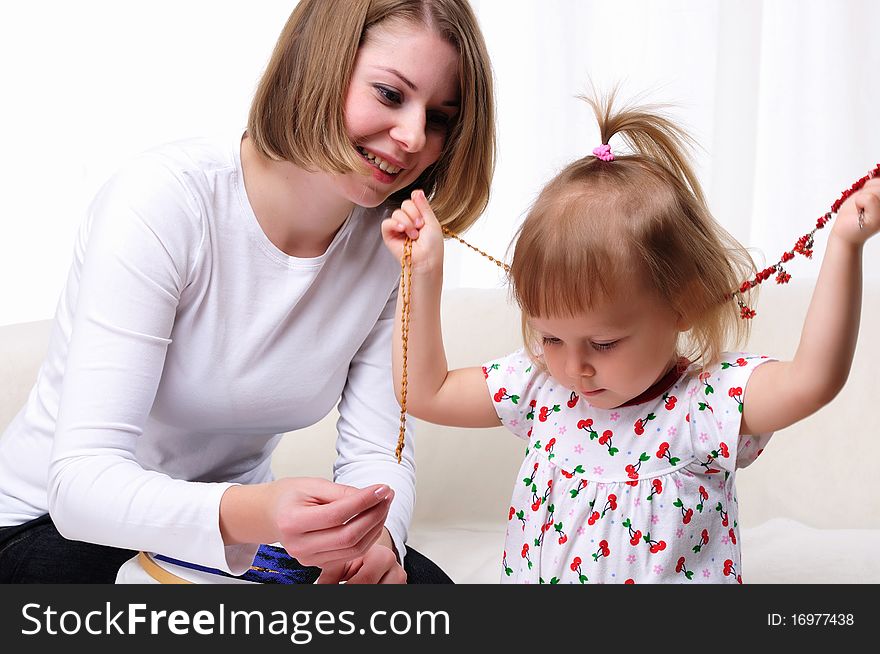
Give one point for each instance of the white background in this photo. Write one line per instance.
(783, 95)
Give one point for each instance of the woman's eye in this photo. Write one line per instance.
(388, 95)
(601, 347)
(439, 119)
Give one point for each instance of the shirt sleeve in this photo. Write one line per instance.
(513, 381)
(143, 236)
(368, 428)
(715, 414)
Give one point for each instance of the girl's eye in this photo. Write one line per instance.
(601, 347)
(550, 340)
(388, 95)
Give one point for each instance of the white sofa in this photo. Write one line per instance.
(809, 507)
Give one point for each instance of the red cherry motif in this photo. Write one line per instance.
(632, 483)
(658, 486)
(500, 394)
(511, 513)
(593, 518)
(585, 424)
(732, 536)
(636, 537)
(605, 436)
(658, 547)
(536, 505)
(542, 416)
(612, 500)
(724, 451)
(724, 521)
(687, 418)
(525, 550)
(703, 494)
(670, 403)
(567, 474)
(733, 392)
(550, 444)
(562, 539)
(629, 581)
(573, 400)
(705, 536)
(631, 471)
(740, 362)
(728, 568)
(687, 516)
(546, 526)
(485, 372)
(662, 450)
(639, 427)
(575, 564)
(680, 565)
(603, 545)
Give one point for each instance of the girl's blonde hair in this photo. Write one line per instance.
(297, 114)
(601, 226)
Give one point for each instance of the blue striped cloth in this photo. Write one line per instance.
(272, 565)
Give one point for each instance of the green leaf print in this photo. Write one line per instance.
(613, 450)
(508, 571)
(579, 469)
(583, 579)
(740, 407)
(537, 445)
(514, 399)
(678, 503)
(709, 389)
(673, 461)
(627, 523)
(689, 574)
(644, 457)
(555, 580)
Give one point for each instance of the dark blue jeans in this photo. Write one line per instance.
(35, 553)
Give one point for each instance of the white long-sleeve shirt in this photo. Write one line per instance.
(184, 344)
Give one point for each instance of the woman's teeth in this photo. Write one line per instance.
(380, 163)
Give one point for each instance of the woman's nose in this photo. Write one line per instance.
(409, 131)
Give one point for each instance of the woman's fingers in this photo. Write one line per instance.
(341, 543)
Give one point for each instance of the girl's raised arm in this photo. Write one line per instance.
(458, 398)
(781, 393)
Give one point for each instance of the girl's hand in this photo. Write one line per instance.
(865, 205)
(415, 220)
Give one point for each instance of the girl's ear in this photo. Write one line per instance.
(683, 323)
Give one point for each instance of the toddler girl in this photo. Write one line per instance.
(635, 413)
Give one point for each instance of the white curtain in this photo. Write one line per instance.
(782, 94)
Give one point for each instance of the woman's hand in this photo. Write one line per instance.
(415, 220)
(378, 566)
(318, 522)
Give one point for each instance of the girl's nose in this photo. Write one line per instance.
(578, 366)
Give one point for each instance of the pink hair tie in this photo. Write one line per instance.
(604, 153)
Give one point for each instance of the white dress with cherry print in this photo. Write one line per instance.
(643, 493)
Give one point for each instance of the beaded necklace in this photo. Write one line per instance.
(803, 246)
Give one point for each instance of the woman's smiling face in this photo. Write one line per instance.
(402, 99)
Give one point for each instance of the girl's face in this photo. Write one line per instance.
(612, 353)
(401, 101)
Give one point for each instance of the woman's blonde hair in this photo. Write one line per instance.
(297, 114)
(639, 219)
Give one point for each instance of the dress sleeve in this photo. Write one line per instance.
(715, 414)
(138, 247)
(513, 381)
(369, 424)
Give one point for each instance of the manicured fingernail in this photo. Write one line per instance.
(381, 492)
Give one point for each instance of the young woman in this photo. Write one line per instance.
(224, 293)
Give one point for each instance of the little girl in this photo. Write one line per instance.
(636, 416)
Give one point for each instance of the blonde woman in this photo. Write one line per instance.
(224, 293)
